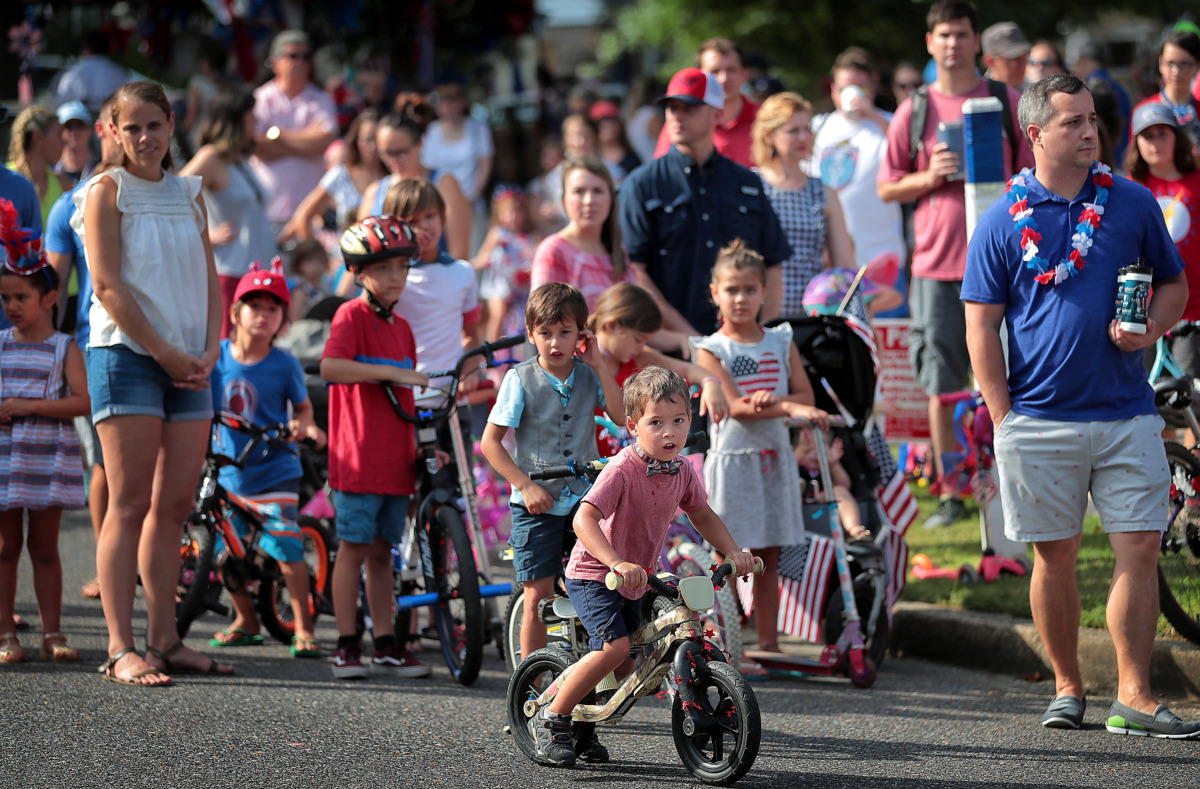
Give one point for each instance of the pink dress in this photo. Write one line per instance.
(558, 260)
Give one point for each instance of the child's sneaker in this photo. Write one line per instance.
(552, 736)
(347, 662)
(395, 659)
(589, 749)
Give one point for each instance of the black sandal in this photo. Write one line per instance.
(212, 669)
(108, 671)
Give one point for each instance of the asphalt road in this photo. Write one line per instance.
(287, 722)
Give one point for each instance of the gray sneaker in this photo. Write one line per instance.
(948, 511)
(1065, 712)
(1163, 724)
(552, 735)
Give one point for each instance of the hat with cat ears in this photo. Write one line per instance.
(23, 252)
(258, 280)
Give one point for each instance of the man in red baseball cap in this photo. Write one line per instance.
(679, 210)
(722, 58)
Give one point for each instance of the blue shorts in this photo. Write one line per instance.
(364, 517)
(606, 614)
(123, 383)
(537, 542)
(281, 538)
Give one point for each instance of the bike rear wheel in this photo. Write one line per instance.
(690, 559)
(727, 749)
(530, 680)
(458, 613)
(1179, 557)
(195, 574)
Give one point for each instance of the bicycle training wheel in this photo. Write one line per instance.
(687, 558)
(875, 643)
(531, 678)
(1179, 558)
(724, 745)
(195, 574)
(458, 613)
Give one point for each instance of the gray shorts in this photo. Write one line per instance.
(937, 340)
(1047, 468)
(89, 442)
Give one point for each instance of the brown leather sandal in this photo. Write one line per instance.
(10, 649)
(169, 667)
(109, 672)
(54, 646)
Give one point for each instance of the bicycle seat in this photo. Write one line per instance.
(556, 609)
(1173, 392)
(861, 549)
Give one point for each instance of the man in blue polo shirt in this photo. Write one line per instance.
(679, 210)
(1074, 413)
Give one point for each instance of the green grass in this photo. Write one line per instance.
(955, 545)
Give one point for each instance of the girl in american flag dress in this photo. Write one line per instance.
(750, 471)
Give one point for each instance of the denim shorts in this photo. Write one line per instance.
(537, 542)
(124, 383)
(606, 614)
(364, 517)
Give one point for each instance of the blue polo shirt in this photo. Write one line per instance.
(61, 239)
(676, 215)
(20, 192)
(1062, 365)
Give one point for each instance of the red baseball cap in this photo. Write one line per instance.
(258, 281)
(604, 109)
(695, 87)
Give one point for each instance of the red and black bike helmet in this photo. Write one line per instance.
(377, 238)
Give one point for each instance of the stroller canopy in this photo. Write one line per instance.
(833, 351)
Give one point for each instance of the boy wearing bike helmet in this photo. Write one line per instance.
(372, 452)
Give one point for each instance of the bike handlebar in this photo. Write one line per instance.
(616, 581)
(1184, 328)
(273, 435)
(486, 350)
(586, 470)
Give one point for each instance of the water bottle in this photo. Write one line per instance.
(1135, 298)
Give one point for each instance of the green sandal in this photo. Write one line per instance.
(305, 648)
(237, 638)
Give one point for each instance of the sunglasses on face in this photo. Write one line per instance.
(296, 55)
(908, 85)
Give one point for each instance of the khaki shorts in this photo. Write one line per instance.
(1046, 470)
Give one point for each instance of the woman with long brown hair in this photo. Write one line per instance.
(240, 232)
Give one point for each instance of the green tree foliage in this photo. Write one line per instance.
(801, 39)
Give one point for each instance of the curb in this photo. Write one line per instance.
(1008, 645)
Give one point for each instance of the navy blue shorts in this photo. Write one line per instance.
(537, 542)
(606, 614)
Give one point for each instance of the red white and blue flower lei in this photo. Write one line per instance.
(1081, 239)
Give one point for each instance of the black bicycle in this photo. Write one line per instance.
(243, 566)
(438, 541)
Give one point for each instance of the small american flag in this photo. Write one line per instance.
(804, 582)
(753, 376)
(899, 509)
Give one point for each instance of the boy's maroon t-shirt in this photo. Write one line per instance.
(371, 449)
(636, 510)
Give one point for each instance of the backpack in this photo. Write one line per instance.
(920, 114)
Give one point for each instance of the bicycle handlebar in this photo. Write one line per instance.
(271, 434)
(486, 350)
(615, 581)
(585, 470)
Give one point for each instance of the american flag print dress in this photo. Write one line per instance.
(750, 471)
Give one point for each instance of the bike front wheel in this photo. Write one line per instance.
(196, 552)
(1179, 558)
(725, 742)
(458, 612)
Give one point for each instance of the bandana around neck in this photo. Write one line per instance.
(655, 466)
(1081, 239)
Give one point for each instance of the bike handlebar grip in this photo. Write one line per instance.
(613, 581)
(507, 342)
(1184, 328)
(553, 472)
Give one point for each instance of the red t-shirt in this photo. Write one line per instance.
(1180, 202)
(940, 220)
(371, 450)
(607, 446)
(732, 140)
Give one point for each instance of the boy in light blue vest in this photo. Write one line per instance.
(549, 403)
